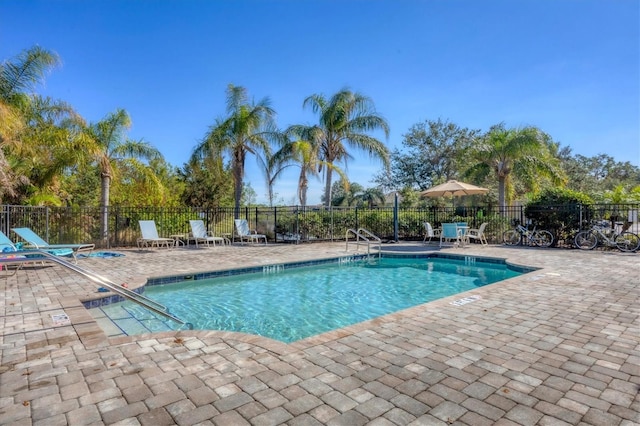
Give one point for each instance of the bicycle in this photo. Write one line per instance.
(601, 233)
(539, 237)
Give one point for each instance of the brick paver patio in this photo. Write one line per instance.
(558, 346)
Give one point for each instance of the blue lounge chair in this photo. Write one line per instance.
(34, 241)
(9, 250)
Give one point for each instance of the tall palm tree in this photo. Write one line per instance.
(343, 121)
(247, 129)
(507, 153)
(106, 144)
(303, 148)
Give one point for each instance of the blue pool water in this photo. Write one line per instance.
(296, 303)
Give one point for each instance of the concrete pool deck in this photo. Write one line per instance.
(557, 346)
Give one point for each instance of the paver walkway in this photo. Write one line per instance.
(558, 346)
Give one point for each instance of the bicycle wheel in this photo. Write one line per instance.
(585, 240)
(511, 237)
(627, 241)
(542, 238)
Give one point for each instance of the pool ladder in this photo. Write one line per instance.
(366, 237)
(43, 256)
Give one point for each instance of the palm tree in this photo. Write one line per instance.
(343, 119)
(303, 147)
(31, 126)
(507, 153)
(246, 130)
(372, 196)
(272, 166)
(106, 145)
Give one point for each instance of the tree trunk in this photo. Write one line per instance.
(238, 174)
(327, 188)
(303, 185)
(501, 194)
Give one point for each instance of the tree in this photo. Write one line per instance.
(153, 184)
(345, 193)
(106, 145)
(48, 147)
(433, 152)
(597, 175)
(372, 197)
(207, 183)
(343, 121)
(302, 147)
(272, 166)
(514, 153)
(246, 129)
(36, 133)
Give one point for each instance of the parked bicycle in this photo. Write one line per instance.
(602, 233)
(520, 234)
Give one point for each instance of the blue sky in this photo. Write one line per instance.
(569, 67)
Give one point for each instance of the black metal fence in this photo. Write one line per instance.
(295, 224)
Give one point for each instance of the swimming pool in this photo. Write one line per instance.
(292, 304)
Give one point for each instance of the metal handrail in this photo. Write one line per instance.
(366, 236)
(141, 300)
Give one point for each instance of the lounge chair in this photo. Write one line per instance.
(199, 234)
(430, 233)
(9, 250)
(451, 233)
(150, 236)
(244, 233)
(478, 234)
(33, 240)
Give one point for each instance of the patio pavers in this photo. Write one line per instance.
(560, 345)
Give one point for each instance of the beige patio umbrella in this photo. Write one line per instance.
(453, 188)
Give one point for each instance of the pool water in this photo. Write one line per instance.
(296, 303)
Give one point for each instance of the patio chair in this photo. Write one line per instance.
(451, 233)
(200, 234)
(9, 250)
(478, 234)
(245, 233)
(430, 233)
(33, 240)
(150, 236)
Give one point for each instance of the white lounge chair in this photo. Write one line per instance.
(245, 233)
(478, 234)
(199, 234)
(33, 240)
(430, 233)
(150, 236)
